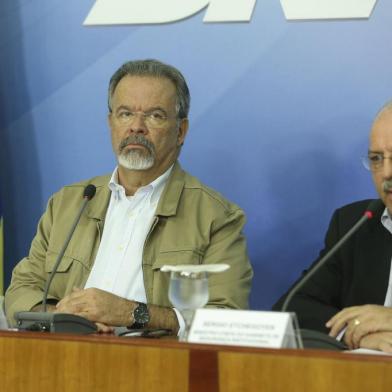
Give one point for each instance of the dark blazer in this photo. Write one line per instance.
(358, 274)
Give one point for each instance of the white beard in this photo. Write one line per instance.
(134, 160)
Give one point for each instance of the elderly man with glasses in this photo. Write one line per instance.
(148, 213)
(351, 295)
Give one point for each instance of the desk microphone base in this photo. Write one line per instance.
(54, 322)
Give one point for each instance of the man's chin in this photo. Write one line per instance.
(134, 168)
(135, 163)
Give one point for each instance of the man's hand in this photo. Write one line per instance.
(107, 310)
(360, 321)
(98, 306)
(378, 341)
(51, 308)
(102, 328)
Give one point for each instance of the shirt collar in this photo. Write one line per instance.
(386, 220)
(154, 188)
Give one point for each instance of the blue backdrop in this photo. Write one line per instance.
(279, 117)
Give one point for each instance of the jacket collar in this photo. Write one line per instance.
(170, 197)
(167, 205)
(98, 205)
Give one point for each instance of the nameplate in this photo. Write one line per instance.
(245, 328)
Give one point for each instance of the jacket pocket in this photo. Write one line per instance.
(178, 257)
(158, 291)
(70, 273)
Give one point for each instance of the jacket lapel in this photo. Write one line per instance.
(375, 261)
(97, 207)
(170, 198)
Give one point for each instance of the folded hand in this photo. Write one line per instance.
(98, 306)
(360, 321)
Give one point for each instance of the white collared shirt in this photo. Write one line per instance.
(387, 223)
(118, 264)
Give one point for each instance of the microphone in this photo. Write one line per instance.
(317, 339)
(372, 208)
(58, 322)
(88, 194)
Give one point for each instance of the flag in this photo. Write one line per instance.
(1, 252)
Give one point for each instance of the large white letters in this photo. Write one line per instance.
(163, 11)
(230, 11)
(327, 9)
(114, 12)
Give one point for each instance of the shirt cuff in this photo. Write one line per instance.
(181, 322)
(341, 333)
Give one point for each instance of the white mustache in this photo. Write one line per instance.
(387, 185)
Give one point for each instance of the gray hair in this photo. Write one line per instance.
(157, 69)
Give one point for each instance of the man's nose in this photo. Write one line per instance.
(138, 124)
(387, 168)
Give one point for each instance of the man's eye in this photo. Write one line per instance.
(376, 158)
(157, 116)
(125, 114)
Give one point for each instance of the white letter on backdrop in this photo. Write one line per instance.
(114, 12)
(327, 9)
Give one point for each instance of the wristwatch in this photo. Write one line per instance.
(140, 316)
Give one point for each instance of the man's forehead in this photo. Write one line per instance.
(142, 88)
(381, 133)
(146, 81)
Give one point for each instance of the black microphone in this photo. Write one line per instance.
(372, 208)
(317, 339)
(59, 322)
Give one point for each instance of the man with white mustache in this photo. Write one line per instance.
(350, 297)
(148, 213)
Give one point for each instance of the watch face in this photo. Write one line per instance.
(141, 314)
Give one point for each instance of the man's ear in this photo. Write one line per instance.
(182, 131)
(110, 119)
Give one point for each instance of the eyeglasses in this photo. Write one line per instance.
(374, 161)
(153, 119)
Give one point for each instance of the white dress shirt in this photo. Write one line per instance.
(118, 264)
(387, 223)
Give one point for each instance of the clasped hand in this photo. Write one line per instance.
(103, 308)
(367, 326)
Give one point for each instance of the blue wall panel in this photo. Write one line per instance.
(279, 117)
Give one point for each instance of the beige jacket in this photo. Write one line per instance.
(193, 225)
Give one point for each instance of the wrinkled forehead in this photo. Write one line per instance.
(148, 83)
(380, 138)
(145, 90)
